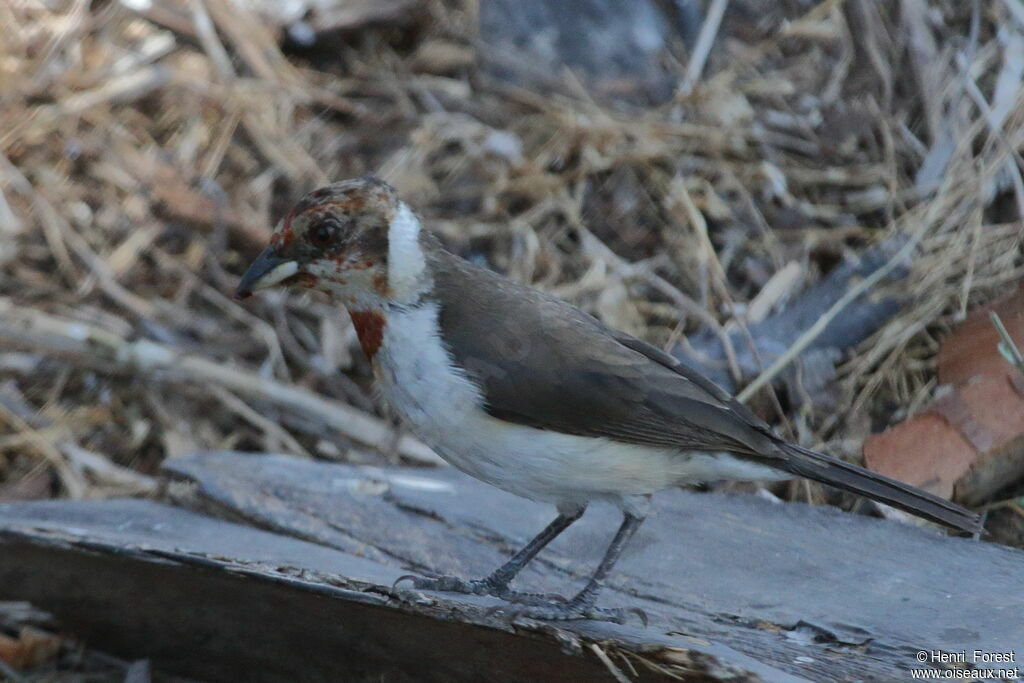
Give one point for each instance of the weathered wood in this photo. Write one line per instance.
(207, 598)
(734, 585)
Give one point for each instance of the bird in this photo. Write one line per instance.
(530, 394)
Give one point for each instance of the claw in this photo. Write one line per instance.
(404, 577)
(641, 615)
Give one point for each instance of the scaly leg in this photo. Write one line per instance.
(497, 583)
(581, 606)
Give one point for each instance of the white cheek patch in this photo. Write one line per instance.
(406, 262)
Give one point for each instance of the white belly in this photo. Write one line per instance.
(442, 407)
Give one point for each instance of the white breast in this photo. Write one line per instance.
(445, 409)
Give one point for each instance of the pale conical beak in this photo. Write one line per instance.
(267, 270)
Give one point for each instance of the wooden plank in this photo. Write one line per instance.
(736, 588)
(222, 602)
(812, 587)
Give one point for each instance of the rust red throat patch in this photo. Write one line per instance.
(370, 329)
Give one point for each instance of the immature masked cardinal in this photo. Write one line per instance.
(528, 393)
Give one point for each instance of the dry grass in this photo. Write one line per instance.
(143, 158)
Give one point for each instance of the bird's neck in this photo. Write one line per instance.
(408, 273)
(408, 280)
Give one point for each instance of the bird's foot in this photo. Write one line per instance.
(573, 610)
(486, 586)
(532, 599)
(447, 584)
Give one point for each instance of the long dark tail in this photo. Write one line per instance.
(819, 467)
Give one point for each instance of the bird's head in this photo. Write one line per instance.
(354, 239)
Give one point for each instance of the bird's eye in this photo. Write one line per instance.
(322, 234)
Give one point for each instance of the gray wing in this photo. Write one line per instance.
(546, 364)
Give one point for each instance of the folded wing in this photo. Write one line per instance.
(543, 363)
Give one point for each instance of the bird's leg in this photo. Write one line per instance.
(581, 606)
(503, 575)
(497, 583)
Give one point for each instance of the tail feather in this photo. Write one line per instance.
(819, 467)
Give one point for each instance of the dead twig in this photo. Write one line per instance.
(702, 48)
